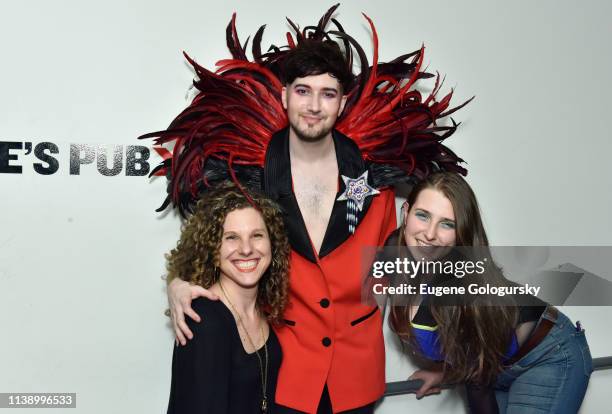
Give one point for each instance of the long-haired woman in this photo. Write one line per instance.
(515, 358)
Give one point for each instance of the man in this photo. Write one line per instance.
(336, 204)
(333, 350)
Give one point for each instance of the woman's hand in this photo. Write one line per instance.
(180, 295)
(431, 381)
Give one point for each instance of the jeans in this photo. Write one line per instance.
(552, 377)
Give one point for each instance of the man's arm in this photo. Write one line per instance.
(389, 224)
(180, 294)
(389, 221)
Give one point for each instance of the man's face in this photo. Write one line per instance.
(313, 104)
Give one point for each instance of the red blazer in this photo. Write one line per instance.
(330, 336)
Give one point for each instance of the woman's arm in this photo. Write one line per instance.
(431, 382)
(201, 369)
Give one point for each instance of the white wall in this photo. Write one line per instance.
(81, 256)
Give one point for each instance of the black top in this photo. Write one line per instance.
(213, 374)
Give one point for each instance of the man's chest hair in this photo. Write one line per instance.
(316, 194)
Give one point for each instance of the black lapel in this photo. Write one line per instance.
(278, 186)
(350, 164)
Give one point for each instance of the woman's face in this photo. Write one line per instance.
(245, 252)
(430, 224)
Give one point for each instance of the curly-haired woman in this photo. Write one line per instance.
(234, 245)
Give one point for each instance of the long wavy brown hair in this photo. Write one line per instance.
(196, 256)
(473, 337)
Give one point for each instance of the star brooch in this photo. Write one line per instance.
(355, 194)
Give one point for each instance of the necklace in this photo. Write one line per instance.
(262, 371)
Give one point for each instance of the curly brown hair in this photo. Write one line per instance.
(195, 258)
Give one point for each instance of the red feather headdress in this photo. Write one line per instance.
(225, 131)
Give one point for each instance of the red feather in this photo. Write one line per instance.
(238, 109)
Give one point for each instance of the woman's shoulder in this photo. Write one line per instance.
(213, 313)
(205, 303)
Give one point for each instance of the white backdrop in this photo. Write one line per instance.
(81, 256)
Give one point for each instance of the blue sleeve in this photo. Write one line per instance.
(429, 344)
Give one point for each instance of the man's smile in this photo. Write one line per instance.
(311, 119)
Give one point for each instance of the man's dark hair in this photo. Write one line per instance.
(315, 58)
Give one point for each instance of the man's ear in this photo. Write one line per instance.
(284, 97)
(342, 103)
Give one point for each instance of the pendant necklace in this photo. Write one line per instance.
(263, 371)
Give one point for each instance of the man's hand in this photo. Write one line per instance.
(431, 381)
(180, 295)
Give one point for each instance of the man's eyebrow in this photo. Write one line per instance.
(303, 85)
(330, 90)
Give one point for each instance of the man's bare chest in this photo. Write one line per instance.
(315, 195)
